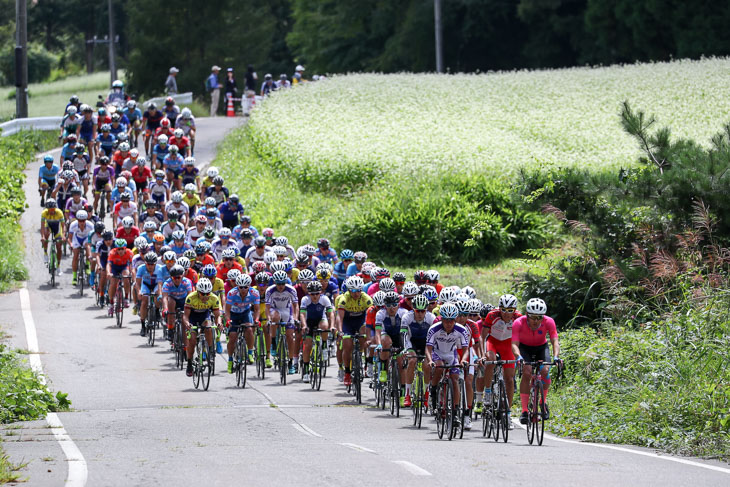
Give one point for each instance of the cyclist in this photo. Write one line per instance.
(414, 326)
(443, 341)
(105, 141)
(151, 121)
(351, 307)
(149, 281)
(64, 185)
(228, 262)
(119, 261)
(74, 204)
(126, 208)
(230, 210)
(174, 291)
(171, 226)
(128, 231)
(497, 328)
(242, 308)
(186, 122)
(70, 122)
(178, 243)
(340, 268)
(432, 279)
(257, 252)
(282, 307)
(69, 148)
(179, 140)
(134, 115)
(119, 125)
(268, 86)
(359, 259)
(529, 342)
(87, 129)
(473, 352)
(222, 243)
(47, 176)
(81, 164)
(78, 235)
(172, 163)
(315, 313)
(198, 306)
(52, 225)
(191, 197)
(324, 253)
(159, 151)
(245, 224)
(171, 111)
(94, 238)
(116, 96)
(217, 191)
(176, 203)
(387, 332)
(101, 254)
(141, 174)
(159, 189)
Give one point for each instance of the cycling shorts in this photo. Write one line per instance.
(534, 354)
(77, 243)
(313, 325)
(145, 289)
(117, 270)
(107, 150)
(198, 318)
(86, 137)
(100, 184)
(141, 186)
(159, 198)
(503, 348)
(285, 316)
(49, 182)
(418, 345)
(450, 359)
(239, 319)
(83, 174)
(350, 326)
(394, 337)
(175, 172)
(179, 303)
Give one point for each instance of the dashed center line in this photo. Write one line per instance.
(358, 447)
(302, 428)
(413, 468)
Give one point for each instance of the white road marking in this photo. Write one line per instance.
(306, 430)
(358, 447)
(414, 469)
(635, 452)
(77, 470)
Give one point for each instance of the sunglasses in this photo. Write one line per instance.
(242, 287)
(399, 283)
(176, 277)
(200, 293)
(392, 305)
(314, 294)
(508, 310)
(228, 258)
(535, 317)
(171, 261)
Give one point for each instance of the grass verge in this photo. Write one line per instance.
(8, 470)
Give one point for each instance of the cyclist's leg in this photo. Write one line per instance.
(387, 343)
(210, 337)
(248, 320)
(411, 370)
(144, 298)
(190, 346)
(45, 233)
(113, 283)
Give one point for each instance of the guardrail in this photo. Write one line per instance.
(180, 99)
(36, 123)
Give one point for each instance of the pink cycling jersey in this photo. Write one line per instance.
(522, 333)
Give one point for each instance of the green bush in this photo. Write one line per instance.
(40, 63)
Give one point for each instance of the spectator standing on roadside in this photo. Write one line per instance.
(250, 91)
(231, 89)
(214, 87)
(297, 78)
(171, 82)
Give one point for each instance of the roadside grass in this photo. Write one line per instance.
(9, 471)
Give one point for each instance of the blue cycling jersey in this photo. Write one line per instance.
(239, 304)
(151, 280)
(48, 173)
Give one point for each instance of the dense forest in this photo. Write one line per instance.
(334, 36)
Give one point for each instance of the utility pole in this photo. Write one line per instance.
(112, 58)
(439, 36)
(21, 59)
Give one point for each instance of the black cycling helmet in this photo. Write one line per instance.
(314, 287)
(150, 258)
(323, 243)
(99, 227)
(51, 203)
(260, 241)
(107, 235)
(172, 215)
(486, 308)
(262, 278)
(392, 299)
(177, 271)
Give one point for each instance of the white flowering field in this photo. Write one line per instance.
(493, 122)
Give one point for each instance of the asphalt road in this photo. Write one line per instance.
(138, 421)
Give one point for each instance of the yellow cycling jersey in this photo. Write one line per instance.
(352, 306)
(197, 305)
(53, 218)
(294, 275)
(218, 286)
(191, 201)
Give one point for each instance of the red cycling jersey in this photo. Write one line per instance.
(120, 257)
(128, 236)
(141, 174)
(223, 270)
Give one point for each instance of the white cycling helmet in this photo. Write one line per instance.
(279, 250)
(186, 113)
(305, 275)
(449, 311)
(176, 197)
(507, 301)
(270, 257)
(277, 266)
(212, 172)
(204, 286)
(121, 181)
(410, 288)
(82, 215)
(183, 262)
(243, 280)
(228, 254)
(127, 222)
(190, 187)
(134, 153)
(233, 274)
(149, 225)
(72, 110)
(433, 275)
(379, 298)
(162, 139)
(209, 201)
(124, 147)
(139, 241)
(469, 291)
(354, 284)
(536, 306)
(190, 161)
(447, 295)
(387, 284)
(178, 133)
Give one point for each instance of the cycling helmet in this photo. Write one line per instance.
(162, 139)
(314, 287)
(68, 166)
(228, 254)
(387, 285)
(379, 299)
(204, 286)
(283, 241)
(469, 291)
(159, 174)
(233, 274)
(323, 243)
(447, 295)
(165, 123)
(346, 254)
(126, 175)
(48, 158)
(107, 235)
(209, 201)
(209, 270)
(176, 197)
(381, 273)
(150, 258)
(225, 232)
(475, 306)
(158, 238)
(121, 182)
(536, 306)
(260, 266)
(302, 258)
(178, 235)
(270, 258)
(190, 187)
(143, 247)
(243, 280)
(106, 127)
(218, 181)
(246, 233)
(178, 133)
(461, 297)
(449, 311)
(164, 249)
(268, 232)
(399, 277)
(360, 256)
(324, 274)
(245, 219)
(176, 271)
(122, 137)
(127, 222)
(279, 250)
(74, 99)
(80, 149)
(267, 76)
(507, 301)
(72, 110)
(354, 284)
(86, 108)
(75, 190)
(419, 302)
(139, 241)
(262, 278)
(141, 161)
(410, 288)
(200, 249)
(131, 104)
(174, 149)
(190, 254)
(169, 255)
(212, 172)
(368, 267)
(82, 215)
(420, 277)
(124, 146)
(68, 175)
(430, 294)
(99, 227)
(71, 140)
(120, 242)
(486, 308)
(184, 262)
(116, 118)
(126, 197)
(189, 161)
(279, 277)
(309, 250)
(186, 113)
(117, 84)
(277, 266)
(305, 275)
(463, 307)
(150, 225)
(433, 275)
(392, 299)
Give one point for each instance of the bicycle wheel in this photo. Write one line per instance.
(540, 425)
(313, 364)
(102, 208)
(441, 409)
(207, 365)
(180, 343)
(244, 364)
(283, 355)
(356, 374)
(237, 361)
(417, 404)
(119, 306)
(197, 365)
(151, 313)
(262, 355)
(504, 411)
(321, 367)
(52, 264)
(395, 373)
(82, 271)
(257, 355)
(532, 414)
(449, 405)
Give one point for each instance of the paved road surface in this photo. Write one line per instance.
(138, 421)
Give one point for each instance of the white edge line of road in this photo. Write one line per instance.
(635, 452)
(77, 469)
(306, 430)
(358, 447)
(414, 469)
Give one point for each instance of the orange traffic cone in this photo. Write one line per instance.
(230, 110)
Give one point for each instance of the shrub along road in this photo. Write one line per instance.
(137, 420)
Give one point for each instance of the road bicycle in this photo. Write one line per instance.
(99, 292)
(393, 384)
(102, 203)
(202, 366)
(496, 414)
(178, 342)
(536, 404)
(259, 351)
(317, 364)
(153, 320)
(418, 388)
(378, 387)
(356, 367)
(282, 351)
(81, 270)
(53, 261)
(446, 414)
(119, 301)
(240, 357)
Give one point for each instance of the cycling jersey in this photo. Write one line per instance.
(282, 301)
(354, 311)
(150, 280)
(415, 331)
(80, 234)
(48, 174)
(105, 175)
(116, 195)
(53, 218)
(70, 124)
(72, 206)
(220, 195)
(182, 143)
(128, 236)
(132, 115)
(123, 211)
(253, 256)
(81, 164)
(218, 247)
(329, 256)
(185, 124)
(173, 163)
(86, 131)
(390, 324)
(168, 228)
(158, 191)
(445, 345)
(242, 305)
(171, 114)
(120, 257)
(141, 174)
(498, 329)
(68, 150)
(160, 152)
(522, 334)
(153, 119)
(316, 312)
(102, 250)
(106, 143)
(199, 309)
(181, 208)
(179, 292)
(119, 129)
(192, 201)
(223, 270)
